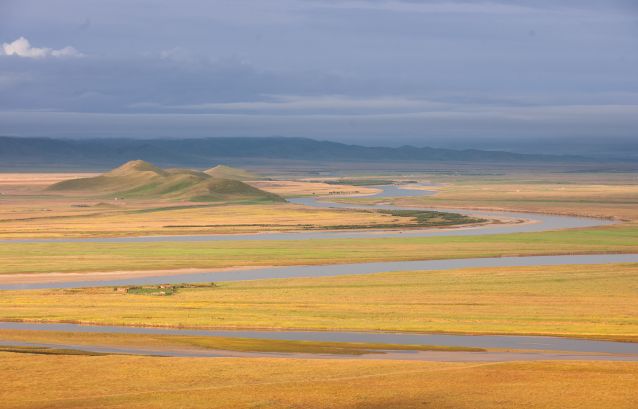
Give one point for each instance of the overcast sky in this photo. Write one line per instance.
(516, 74)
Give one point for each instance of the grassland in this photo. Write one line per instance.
(62, 218)
(295, 188)
(574, 301)
(86, 257)
(581, 301)
(27, 210)
(37, 381)
(585, 198)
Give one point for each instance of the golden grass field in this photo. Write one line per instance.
(26, 210)
(293, 188)
(22, 220)
(594, 301)
(45, 216)
(99, 257)
(45, 381)
(586, 198)
(12, 183)
(583, 301)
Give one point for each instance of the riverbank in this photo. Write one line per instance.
(574, 300)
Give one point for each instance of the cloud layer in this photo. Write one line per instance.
(471, 74)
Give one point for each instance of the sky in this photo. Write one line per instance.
(522, 75)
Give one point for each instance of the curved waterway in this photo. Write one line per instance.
(69, 280)
(534, 222)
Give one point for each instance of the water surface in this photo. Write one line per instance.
(330, 270)
(478, 341)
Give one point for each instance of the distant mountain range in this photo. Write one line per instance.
(41, 153)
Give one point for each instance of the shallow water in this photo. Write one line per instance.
(408, 355)
(333, 270)
(478, 341)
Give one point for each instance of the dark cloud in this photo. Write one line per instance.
(385, 71)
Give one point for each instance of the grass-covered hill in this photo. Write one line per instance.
(228, 172)
(139, 179)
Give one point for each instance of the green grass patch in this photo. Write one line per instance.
(85, 257)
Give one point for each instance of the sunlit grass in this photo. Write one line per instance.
(585, 199)
(36, 381)
(85, 257)
(47, 218)
(581, 301)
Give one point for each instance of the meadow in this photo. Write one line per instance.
(607, 196)
(582, 301)
(28, 210)
(46, 381)
(57, 219)
(593, 301)
(87, 257)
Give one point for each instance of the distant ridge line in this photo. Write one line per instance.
(106, 152)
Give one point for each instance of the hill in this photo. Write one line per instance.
(228, 172)
(39, 153)
(140, 179)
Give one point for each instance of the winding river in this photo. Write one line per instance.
(533, 223)
(528, 222)
(536, 222)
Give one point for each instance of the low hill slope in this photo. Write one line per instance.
(139, 179)
(228, 172)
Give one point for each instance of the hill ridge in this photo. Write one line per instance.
(230, 172)
(137, 165)
(140, 179)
